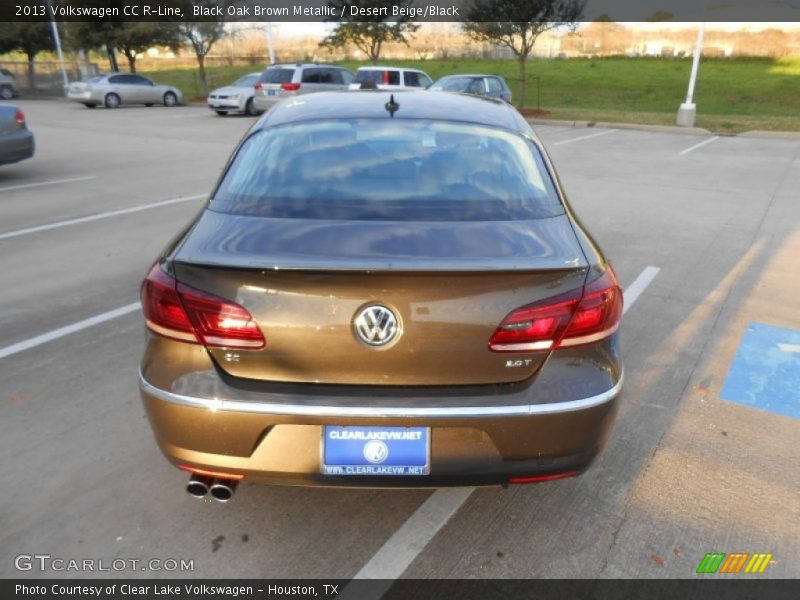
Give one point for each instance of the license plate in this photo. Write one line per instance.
(271, 92)
(375, 450)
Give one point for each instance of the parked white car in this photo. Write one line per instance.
(236, 97)
(116, 89)
(390, 78)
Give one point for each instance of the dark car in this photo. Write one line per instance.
(491, 86)
(16, 140)
(383, 290)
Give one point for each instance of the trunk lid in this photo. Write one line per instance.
(448, 284)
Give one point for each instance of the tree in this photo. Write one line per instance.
(30, 38)
(134, 38)
(516, 24)
(87, 35)
(370, 32)
(202, 36)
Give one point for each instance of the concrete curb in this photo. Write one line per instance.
(784, 135)
(607, 125)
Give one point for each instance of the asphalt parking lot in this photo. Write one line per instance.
(705, 238)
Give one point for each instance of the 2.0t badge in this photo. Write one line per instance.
(376, 325)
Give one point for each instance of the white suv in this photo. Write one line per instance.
(390, 78)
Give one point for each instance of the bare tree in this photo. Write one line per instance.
(516, 24)
(369, 32)
(201, 37)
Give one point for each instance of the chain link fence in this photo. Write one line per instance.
(42, 78)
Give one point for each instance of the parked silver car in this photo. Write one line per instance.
(283, 81)
(236, 97)
(8, 85)
(16, 140)
(115, 89)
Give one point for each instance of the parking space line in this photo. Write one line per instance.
(23, 186)
(700, 145)
(68, 329)
(400, 550)
(97, 217)
(584, 137)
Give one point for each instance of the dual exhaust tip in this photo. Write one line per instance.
(221, 490)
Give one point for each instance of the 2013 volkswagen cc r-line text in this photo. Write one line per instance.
(383, 290)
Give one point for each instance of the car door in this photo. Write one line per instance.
(312, 80)
(118, 85)
(146, 90)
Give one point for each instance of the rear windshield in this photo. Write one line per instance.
(388, 169)
(378, 77)
(277, 76)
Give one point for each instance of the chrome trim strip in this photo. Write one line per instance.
(269, 408)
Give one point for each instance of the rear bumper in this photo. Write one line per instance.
(277, 442)
(264, 103)
(16, 146)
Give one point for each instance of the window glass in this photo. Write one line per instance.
(277, 75)
(388, 169)
(494, 84)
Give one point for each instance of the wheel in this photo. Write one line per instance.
(112, 101)
(89, 105)
(221, 113)
(250, 109)
(6, 93)
(170, 99)
(149, 104)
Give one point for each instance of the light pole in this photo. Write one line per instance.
(269, 43)
(688, 110)
(57, 40)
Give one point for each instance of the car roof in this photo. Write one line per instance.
(457, 75)
(384, 67)
(304, 65)
(370, 104)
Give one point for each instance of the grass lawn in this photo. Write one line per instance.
(732, 95)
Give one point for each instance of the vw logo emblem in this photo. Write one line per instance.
(375, 451)
(376, 325)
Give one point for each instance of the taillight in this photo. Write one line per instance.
(20, 117)
(257, 87)
(175, 310)
(583, 316)
(290, 87)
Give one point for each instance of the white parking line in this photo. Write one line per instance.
(700, 145)
(400, 550)
(23, 186)
(97, 217)
(584, 137)
(62, 331)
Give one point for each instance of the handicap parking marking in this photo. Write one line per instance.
(765, 373)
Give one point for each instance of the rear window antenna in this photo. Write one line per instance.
(392, 106)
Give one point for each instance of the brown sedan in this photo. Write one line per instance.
(383, 290)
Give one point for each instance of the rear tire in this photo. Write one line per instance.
(6, 92)
(112, 101)
(170, 99)
(250, 109)
(221, 113)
